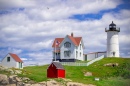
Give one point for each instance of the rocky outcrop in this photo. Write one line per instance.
(10, 70)
(111, 64)
(14, 80)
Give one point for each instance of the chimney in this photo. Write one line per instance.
(72, 34)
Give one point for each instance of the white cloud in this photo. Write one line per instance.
(17, 3)
(24, 59)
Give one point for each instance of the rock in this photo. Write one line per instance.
(3, 67)
(18, 79)
(10, 70)
(43, 83)
(27, 84)
(111, 64)
(11, 85)
(17, 71)
(19, 84)
(88, 74)
(25, 79)
(12, 79)
(52, 83)
(77, 84)
(4, 79)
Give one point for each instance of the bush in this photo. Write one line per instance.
(123, 71)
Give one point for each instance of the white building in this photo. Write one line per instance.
(112, 40)
(12, 60)
(68, 49)
(93, 55)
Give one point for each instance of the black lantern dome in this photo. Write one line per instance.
(112, 27)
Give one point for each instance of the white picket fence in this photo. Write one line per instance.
(82, 64)
(73, 64)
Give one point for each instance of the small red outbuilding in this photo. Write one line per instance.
(55, 70)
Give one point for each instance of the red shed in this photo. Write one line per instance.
(55, 70)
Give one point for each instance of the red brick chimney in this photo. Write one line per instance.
(72, 35)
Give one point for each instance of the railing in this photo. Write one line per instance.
(82, 64)
(73, 64)
(99, 58)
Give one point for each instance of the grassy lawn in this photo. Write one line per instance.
(76, 73)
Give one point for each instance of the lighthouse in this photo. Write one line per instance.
(112, 40)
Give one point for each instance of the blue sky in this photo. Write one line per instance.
(28, 27)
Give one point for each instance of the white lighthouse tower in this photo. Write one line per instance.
(112, 40)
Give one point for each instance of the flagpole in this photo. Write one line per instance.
(55, 51)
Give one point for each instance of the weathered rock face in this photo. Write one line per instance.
(12, 80)
(111, 64)
(3, 79)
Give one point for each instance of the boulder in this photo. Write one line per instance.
(4, 79)
(111, 64)
(10, 70)
(88, 74)
(3, 67)
(18, 79)
(12, 79)
(19, 84)
(17, 71)
(52, 83)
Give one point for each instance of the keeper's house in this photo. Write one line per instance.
(68, 49)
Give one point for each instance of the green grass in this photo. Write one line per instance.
(108, 75)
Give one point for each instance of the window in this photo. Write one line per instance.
(67, 53)
(67, 44)
(20, 65)
(8, 59)
(80, 46)
(80, 54)
(76, 54)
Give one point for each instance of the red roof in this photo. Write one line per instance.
(59, 40)
(15, 57)
(75, 40)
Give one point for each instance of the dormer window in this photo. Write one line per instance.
(67, 44)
